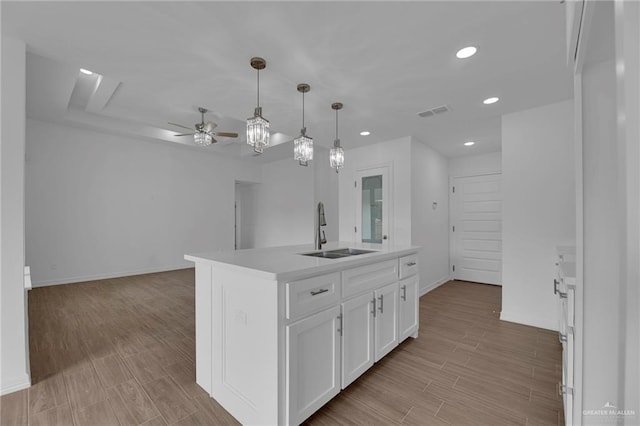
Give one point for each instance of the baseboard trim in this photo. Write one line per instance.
(519, 318)
(434, 285)
(16, 384)
(106, 276)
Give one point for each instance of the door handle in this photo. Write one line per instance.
(404, 293)
(381, 307)
(555, 286)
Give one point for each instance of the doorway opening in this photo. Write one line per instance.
(245, 214)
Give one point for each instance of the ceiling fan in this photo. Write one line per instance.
(203, 133)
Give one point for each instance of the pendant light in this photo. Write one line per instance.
(257, 126)
(303, 144)
(336, 155)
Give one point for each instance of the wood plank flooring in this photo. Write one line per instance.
(121, 352)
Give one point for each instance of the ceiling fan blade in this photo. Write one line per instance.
(226, 134)
(180, 125)
(185, 134)
(210, 126)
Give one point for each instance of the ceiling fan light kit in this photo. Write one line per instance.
(202, 139)
(303, 144)
(336, 154)
(203, 132)
(257, 126)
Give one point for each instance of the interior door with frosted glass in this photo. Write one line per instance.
(372, 206)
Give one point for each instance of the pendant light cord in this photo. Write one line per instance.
(258, 72)
(336, 124)
(303, 110)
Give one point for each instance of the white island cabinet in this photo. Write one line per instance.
(278, 333)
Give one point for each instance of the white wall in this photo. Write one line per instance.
(397, 154)
(627, 16)
(602, 254)
(611, 209)
(284, 201)
(100, 205)
(326, 190)
(283, 205)
(475, 164)
(538, 209)
(429, 226)
(14, 355)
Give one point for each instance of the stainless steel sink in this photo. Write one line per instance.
(337, 253)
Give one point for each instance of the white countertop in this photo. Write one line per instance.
(287, 263)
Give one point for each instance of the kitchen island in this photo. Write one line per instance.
(280, 331)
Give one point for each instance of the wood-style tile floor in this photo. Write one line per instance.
(121, 351)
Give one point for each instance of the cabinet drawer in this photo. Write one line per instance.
(312, 294)
(369, 277)
(408, 265)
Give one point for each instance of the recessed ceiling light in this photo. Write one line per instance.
(490, 101)
(365, 133)
(466, 52)
(84, 71)
(469, 143)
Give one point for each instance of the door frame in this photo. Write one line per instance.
(386, 170)
(453, 214)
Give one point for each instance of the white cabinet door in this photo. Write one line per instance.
(313, 363)
(357, 337)
(408, 307)
(386, 320)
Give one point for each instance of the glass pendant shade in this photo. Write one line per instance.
(258, 131)
(257, 126)
(202, 138)
(303, 149)
(336, 156)
(303, 144)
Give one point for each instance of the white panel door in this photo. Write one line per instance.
(476, 224)
(357, 337)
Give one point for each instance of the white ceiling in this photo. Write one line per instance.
(385, 61)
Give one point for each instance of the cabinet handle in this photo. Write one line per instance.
(404, 293)
(374, 307)
(340, 329)
(562, 337)
(381, 297)
(322, 290)
(555, 286)
(411, 264)
(562, 295)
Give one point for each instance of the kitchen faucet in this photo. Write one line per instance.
(320, 221)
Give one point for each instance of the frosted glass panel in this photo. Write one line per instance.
(372, 209)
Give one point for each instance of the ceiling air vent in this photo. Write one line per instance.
(434, 111)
